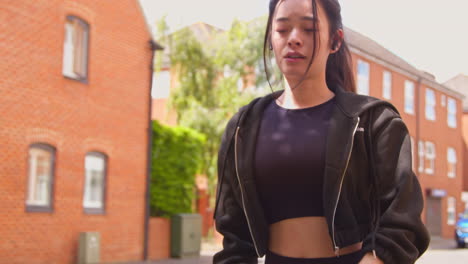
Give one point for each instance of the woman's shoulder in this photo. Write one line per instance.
(357, 104)
(253, 105)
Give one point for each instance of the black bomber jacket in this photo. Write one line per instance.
(371, 193)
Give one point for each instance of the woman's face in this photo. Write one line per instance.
(293, 42)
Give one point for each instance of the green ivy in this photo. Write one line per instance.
(177, 158)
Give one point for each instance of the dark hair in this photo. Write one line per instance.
(339, 72)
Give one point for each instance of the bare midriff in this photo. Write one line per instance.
(305, 237)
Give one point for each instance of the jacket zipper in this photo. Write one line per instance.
(337, 249)
(242, 193)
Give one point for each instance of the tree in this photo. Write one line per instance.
(213, 81)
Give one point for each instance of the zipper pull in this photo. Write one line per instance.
(337, 251)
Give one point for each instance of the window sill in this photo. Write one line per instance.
(94, 211)
(429, 172)
(83, 80)
(39, 209)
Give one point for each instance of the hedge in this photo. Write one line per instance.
(176, 159)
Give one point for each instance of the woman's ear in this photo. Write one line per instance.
(337, 40)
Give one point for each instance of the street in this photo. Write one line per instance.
(444, 251)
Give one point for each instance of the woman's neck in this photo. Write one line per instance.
(309, 93)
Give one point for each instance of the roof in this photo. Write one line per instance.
(459, 83)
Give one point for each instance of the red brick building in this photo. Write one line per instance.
(75, 83)
(433, 115)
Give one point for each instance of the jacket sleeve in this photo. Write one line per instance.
(229, 216)
(399, 237)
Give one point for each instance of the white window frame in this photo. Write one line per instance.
(363, 78)
(39, 196)
(451, 210)
(451, 112)
(387, 85)
(430, 153)
(75, 49)
(421, 156)
(451, 160)
(409, 97)
(95, 166)
(430, 105)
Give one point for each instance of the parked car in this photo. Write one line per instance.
(461, 230)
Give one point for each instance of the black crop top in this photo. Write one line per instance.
(289, 160)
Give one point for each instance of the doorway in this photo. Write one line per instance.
(434, 216)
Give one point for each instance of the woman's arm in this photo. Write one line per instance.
(229, 216)
(401, 236)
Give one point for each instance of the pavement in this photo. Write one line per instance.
(440, 251)
(443, 251)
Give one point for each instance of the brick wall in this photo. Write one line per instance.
(108, 114)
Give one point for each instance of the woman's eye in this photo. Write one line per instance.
(281, 30)
(310, 30)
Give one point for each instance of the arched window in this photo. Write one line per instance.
(75, 49)
(41, 175)
(95, 183)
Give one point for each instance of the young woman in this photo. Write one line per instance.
(315, 173)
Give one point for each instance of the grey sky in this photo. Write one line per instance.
(430, 34)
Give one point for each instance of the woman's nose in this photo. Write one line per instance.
(294, 39)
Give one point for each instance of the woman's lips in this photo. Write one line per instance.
(293, 59)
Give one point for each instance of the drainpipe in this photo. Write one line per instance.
(154, 47)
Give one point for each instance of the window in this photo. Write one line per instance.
(387, 85)
(421, 156)
(409, 97)
(161, 84)
(451, 112)
(40, 179)
(75, 49)
(363, 77)
(430, 157)
(451, 162)
(95, 176)
(451, 210)
(430, 105)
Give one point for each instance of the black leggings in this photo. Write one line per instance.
(352, 258)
